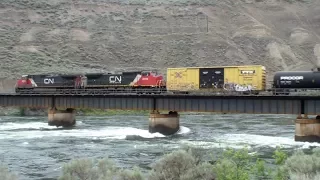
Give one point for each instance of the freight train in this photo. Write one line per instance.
(218, 79)
(99, 82)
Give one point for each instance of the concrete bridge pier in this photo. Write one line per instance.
(65, 118)
(307, 130)
(166, 124)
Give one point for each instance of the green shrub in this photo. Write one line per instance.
(233, 165)
(280, 156)
(281, 172)
(226, 170)
(260, 171)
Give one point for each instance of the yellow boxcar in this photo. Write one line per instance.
(244, 77)
(182, 79)
(217, 78)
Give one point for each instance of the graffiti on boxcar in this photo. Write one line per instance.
(231, 86)
(238, 87)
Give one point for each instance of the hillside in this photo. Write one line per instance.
(40, 36)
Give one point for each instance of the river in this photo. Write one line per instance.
(37, 151)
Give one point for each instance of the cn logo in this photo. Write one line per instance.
(115, 79)
(48, 81)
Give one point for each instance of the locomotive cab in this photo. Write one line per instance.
(151, 78)
(25, 82)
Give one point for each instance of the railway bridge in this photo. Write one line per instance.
(61, 108)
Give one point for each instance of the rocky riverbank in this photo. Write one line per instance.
(20, 111)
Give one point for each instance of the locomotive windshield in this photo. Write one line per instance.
(145, 73)
(148, 73)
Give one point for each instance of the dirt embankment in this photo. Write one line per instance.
(40, 36)
(7, 85)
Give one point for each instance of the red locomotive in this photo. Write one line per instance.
(147, 80)
(25, 83)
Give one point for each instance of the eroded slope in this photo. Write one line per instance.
(39, 36)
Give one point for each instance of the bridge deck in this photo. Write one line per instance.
(168, 102)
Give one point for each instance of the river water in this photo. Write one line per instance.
(35, 150)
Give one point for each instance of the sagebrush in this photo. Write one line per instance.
(189, 164)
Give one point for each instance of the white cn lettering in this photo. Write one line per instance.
(48, 81)
(291, 78)
(115, 79)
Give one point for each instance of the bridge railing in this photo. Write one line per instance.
(89, 91)
(269, 92)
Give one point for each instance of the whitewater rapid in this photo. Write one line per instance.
(31, 130)
(38, 151)
(36, 130)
